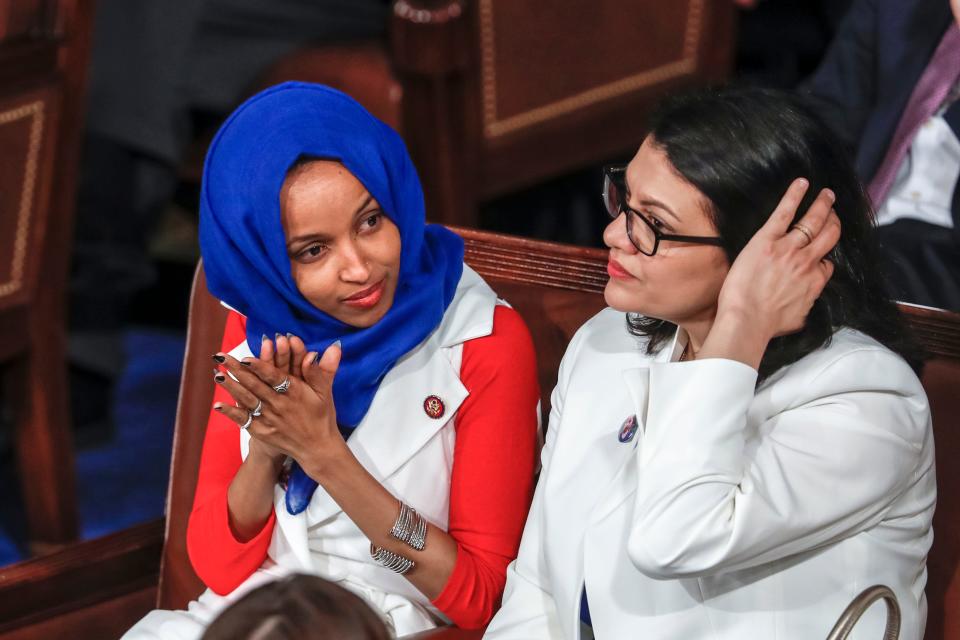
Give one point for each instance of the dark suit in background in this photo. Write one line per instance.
(861, 89)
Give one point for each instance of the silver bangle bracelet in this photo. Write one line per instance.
(410, 528)
(392, 561)
(401, 528)
(418, 537)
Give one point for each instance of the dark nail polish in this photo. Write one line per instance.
(219, 358)
(316, 359)
(220, 377)
(244, 363)
(218, 409)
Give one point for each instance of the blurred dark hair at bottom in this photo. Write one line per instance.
(298, 607)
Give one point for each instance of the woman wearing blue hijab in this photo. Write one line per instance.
(375, 417)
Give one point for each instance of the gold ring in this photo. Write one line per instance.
(806, 232)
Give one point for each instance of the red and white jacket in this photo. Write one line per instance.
(470, 471)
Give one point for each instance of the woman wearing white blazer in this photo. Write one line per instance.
(749, 448)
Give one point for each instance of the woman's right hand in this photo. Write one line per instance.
(775, 279)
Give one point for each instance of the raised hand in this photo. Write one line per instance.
(297, 418)
(775, 280)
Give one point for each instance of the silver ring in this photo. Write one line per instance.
(248, 422)
(283, 386)
(806, 232)
(258, 410)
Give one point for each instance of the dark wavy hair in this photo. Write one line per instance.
(298, 607)
(741, 147)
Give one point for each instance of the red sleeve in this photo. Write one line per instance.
(493, 467)
(219, 559)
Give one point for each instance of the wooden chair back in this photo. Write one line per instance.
(939, 332)
(556, 288)
(499, 94)
(495, 95)
(43, 62)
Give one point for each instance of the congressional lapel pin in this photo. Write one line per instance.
(433, 406)
(628, 430)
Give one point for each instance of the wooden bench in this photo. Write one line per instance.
(556, 288)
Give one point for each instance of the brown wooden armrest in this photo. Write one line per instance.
(81, 576)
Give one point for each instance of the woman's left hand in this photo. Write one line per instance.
(301, 421)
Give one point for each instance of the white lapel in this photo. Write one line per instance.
(397, 426)
(289, 544)
(240, 352)
(637, 382)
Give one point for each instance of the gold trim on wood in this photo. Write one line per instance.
(33, 110)
(493, 127)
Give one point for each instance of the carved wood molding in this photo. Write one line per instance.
(495, 127)
(549, 264)
(937, 330)
(427, 37)
(35, 111)
(445, 12)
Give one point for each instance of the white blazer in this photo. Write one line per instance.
(734, 511)
(409, 452)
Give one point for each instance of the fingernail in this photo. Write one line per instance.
(830, 195)
(316, 359)
(337, 345)
(804, 182)
(264, 338)
(244, 363)
(220, 378)
(218, 407)
(289, 335)
(276, 336)
(219, 358)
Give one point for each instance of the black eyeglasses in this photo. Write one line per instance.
(645, 237)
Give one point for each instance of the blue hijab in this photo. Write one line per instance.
(244, 248)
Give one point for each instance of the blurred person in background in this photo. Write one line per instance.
(889, 87)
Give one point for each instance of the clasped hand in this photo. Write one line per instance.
(300, 422)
